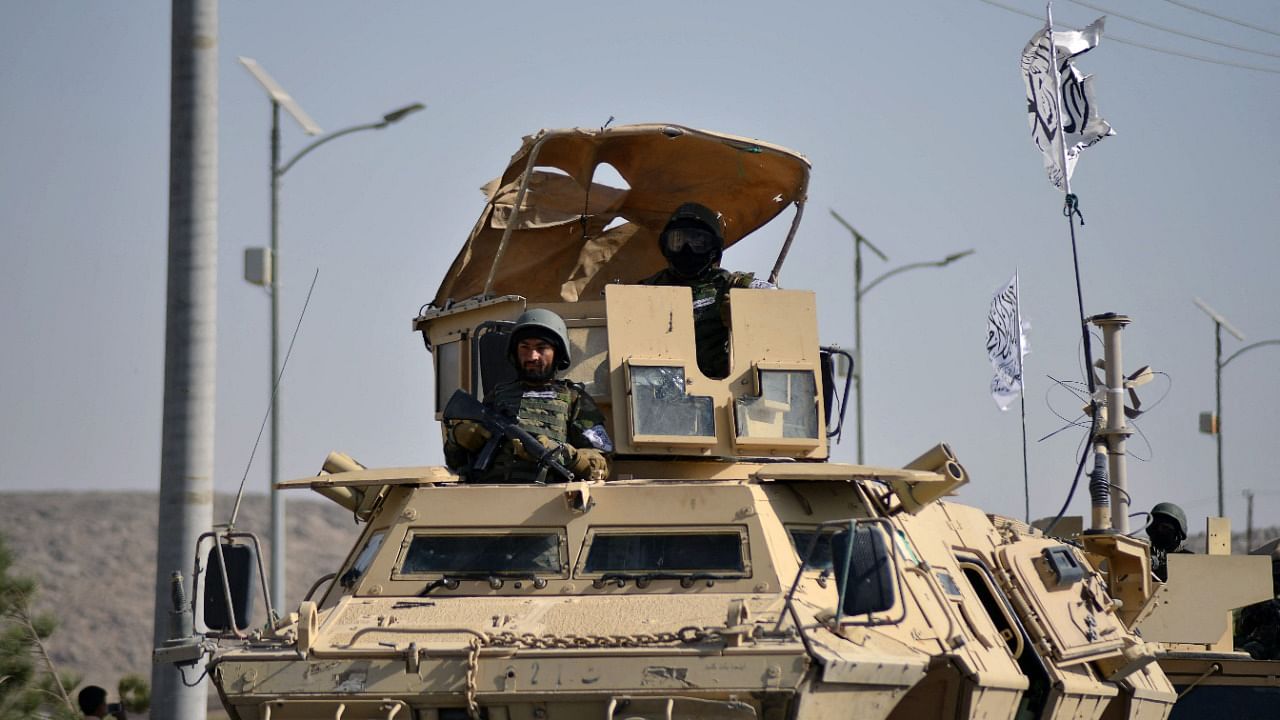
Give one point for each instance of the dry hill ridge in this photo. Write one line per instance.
(94, 555)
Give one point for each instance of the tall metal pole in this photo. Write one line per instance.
(858, 291)
(1115, 432)
(277, 499)
(1219, 323)
(186, 454)
(282, 100)
(857, 337)
(1248, 532)
(1217, 408)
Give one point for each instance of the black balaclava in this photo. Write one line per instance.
(1165, 534)
(703, 238)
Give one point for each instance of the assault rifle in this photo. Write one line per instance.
(462, 406)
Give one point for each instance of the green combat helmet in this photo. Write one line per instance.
(546, 325)
(1174, 513)
(1167, 531)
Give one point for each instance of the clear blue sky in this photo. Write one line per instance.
(912, 114)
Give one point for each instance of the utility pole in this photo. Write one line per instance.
(1215, 424)
(859, 290)
(186, 454)
(263, 268)
(1248, 526)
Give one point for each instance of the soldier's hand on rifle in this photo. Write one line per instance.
(469, 435)
(589, 464)
(544, 441)
(584, 463)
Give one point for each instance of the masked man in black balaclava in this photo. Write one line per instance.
(692, 243)
(1167, 532)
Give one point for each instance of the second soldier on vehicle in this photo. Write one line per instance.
(558, 412)
(1167, 532)
(692, 242)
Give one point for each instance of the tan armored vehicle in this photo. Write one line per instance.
(725, 569)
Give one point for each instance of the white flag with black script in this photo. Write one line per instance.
(1079, 125)
(1006, 344)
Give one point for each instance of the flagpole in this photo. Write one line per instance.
(1022, 373)
(1057, 102)
(1071, 209)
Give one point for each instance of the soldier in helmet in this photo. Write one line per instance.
(1167, 532)
(558, 412)
(692, 242)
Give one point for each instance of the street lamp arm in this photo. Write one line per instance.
(331, 136)
(394, 116)
(1247, 348)
(912, 266)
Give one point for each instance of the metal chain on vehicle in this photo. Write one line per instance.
(686, 636)
(473, 664)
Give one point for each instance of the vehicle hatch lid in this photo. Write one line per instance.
(560, 249)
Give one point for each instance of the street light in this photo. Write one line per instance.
(1212, 423)
(267, 273)
(859, 290)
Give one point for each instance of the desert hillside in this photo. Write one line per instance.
(94, 554)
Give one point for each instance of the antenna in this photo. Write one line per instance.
(235, 510)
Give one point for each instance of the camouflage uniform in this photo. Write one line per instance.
(710, 312)
(559, 409)
(1258, 630)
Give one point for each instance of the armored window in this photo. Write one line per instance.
(483, 554)
(785, 407)
(1240, 700)
(667, 552)
(819, 552)
(363, 560)
(660, 406)
(448, 371)
(368, 551)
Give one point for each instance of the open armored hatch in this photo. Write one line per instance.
(549, 233)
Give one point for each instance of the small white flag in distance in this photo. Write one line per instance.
(1006, 344)
(1079, 124)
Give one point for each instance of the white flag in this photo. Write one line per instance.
(1079, 125)
(1006, 343)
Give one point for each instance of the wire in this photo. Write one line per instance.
(1151, 451)
(275, 388)
(1145, 526)
(1048, 404)
(183, 671)
(1072, 423)
(1074, 483)
(1087, 372)
(1128, 499)
(1125, 41)
(1161, 28)
(1233, 21)
(1168, 388)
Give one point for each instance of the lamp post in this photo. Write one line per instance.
(860, 290)
(268, 274)
(1214, 425)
